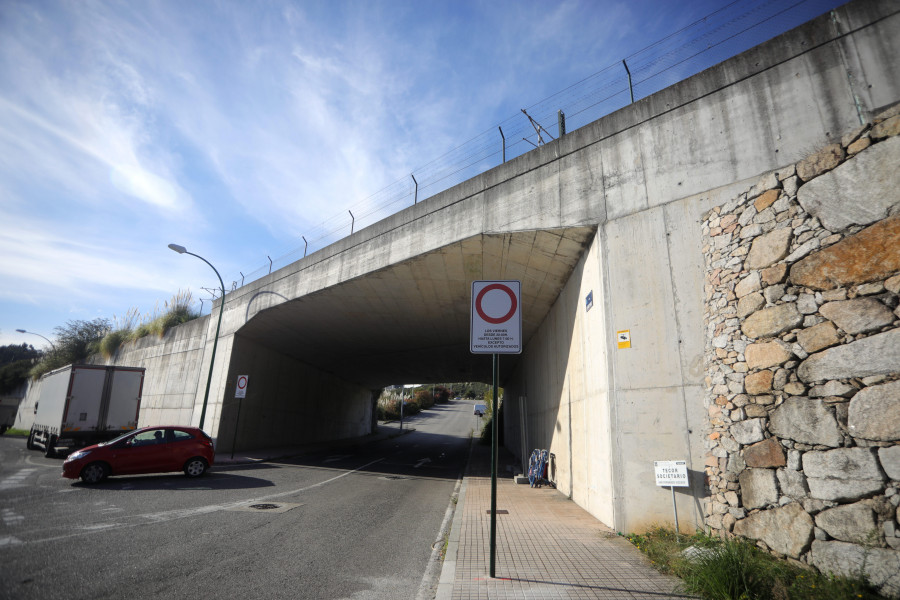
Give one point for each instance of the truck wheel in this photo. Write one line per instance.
(195, 467)
(49, 450)
(94, 472)
(29, 443)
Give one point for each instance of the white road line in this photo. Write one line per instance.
(181, 513)
(9, 541)
(10, 517)
(16, 480)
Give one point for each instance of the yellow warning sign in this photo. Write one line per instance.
(624, 338)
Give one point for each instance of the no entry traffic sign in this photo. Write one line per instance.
(240, 390)
(496, 317)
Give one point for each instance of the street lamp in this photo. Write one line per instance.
(183, 250)
(37, 334)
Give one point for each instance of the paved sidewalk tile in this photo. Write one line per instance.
(547, 547)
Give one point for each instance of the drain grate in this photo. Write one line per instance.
(393, 477)
(279, 507)
(499, 511)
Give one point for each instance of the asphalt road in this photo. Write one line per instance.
(357, 523)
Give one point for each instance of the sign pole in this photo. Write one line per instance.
(496, 328)
(495, 428)
(674, 510)
(234, 440)
(240, 392)
(672, 473)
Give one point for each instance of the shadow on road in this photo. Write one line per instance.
(176, 483)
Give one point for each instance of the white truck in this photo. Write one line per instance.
(82, 405)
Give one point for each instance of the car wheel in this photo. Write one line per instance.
(94, 472)
(195, 467)
(29, 443)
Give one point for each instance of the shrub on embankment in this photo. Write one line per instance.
(77, 340)
(735, 569)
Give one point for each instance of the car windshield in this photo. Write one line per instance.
(118, 439)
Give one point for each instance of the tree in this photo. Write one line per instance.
(15, 363)
(12, 353)
(75, 342)
(441, 394)
(424, 398)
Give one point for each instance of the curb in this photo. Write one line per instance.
(448, 570)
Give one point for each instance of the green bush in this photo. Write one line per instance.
(388, 409)
(128, 329)
(75, 342)
(110, 343)
(424, 399)
(735, 569)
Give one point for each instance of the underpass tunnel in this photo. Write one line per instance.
(314, 363)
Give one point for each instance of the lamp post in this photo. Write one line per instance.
(212, 361)
(37, 334)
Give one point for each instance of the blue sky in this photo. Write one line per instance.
(236, 127)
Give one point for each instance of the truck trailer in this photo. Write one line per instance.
(80, 405)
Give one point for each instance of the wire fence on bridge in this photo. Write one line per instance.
(734, 28)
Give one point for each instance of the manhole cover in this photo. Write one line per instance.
(279, 507)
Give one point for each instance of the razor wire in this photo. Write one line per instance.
(724, 33)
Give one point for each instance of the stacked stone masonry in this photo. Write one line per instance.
(803, 359)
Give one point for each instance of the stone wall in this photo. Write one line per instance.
(803, 359)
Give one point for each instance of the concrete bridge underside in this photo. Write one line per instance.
(409, 322)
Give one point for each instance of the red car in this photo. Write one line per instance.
(148, 450)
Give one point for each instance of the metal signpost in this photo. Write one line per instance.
(671, 473)
(496, 328)
(240, 392)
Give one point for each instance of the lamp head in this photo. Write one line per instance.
(177, 248)
(21, 331)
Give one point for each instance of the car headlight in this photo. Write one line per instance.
(77, 455)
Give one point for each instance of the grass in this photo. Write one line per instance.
(735, 569)
(17, 432)
(134, 327)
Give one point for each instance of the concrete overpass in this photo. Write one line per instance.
(611, 210)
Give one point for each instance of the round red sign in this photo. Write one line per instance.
(512, 303)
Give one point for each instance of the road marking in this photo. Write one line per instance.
(424, 461)
(9, 541)
(10, 517)
(182, 513)
(16, 480)
(336, 458)
(30, 461)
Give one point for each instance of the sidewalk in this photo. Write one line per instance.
(547, 546)
(385, 430)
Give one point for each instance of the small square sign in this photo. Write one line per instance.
(671, 473)
(623, 338)
(589, 301)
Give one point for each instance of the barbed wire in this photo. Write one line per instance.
(726, 32)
